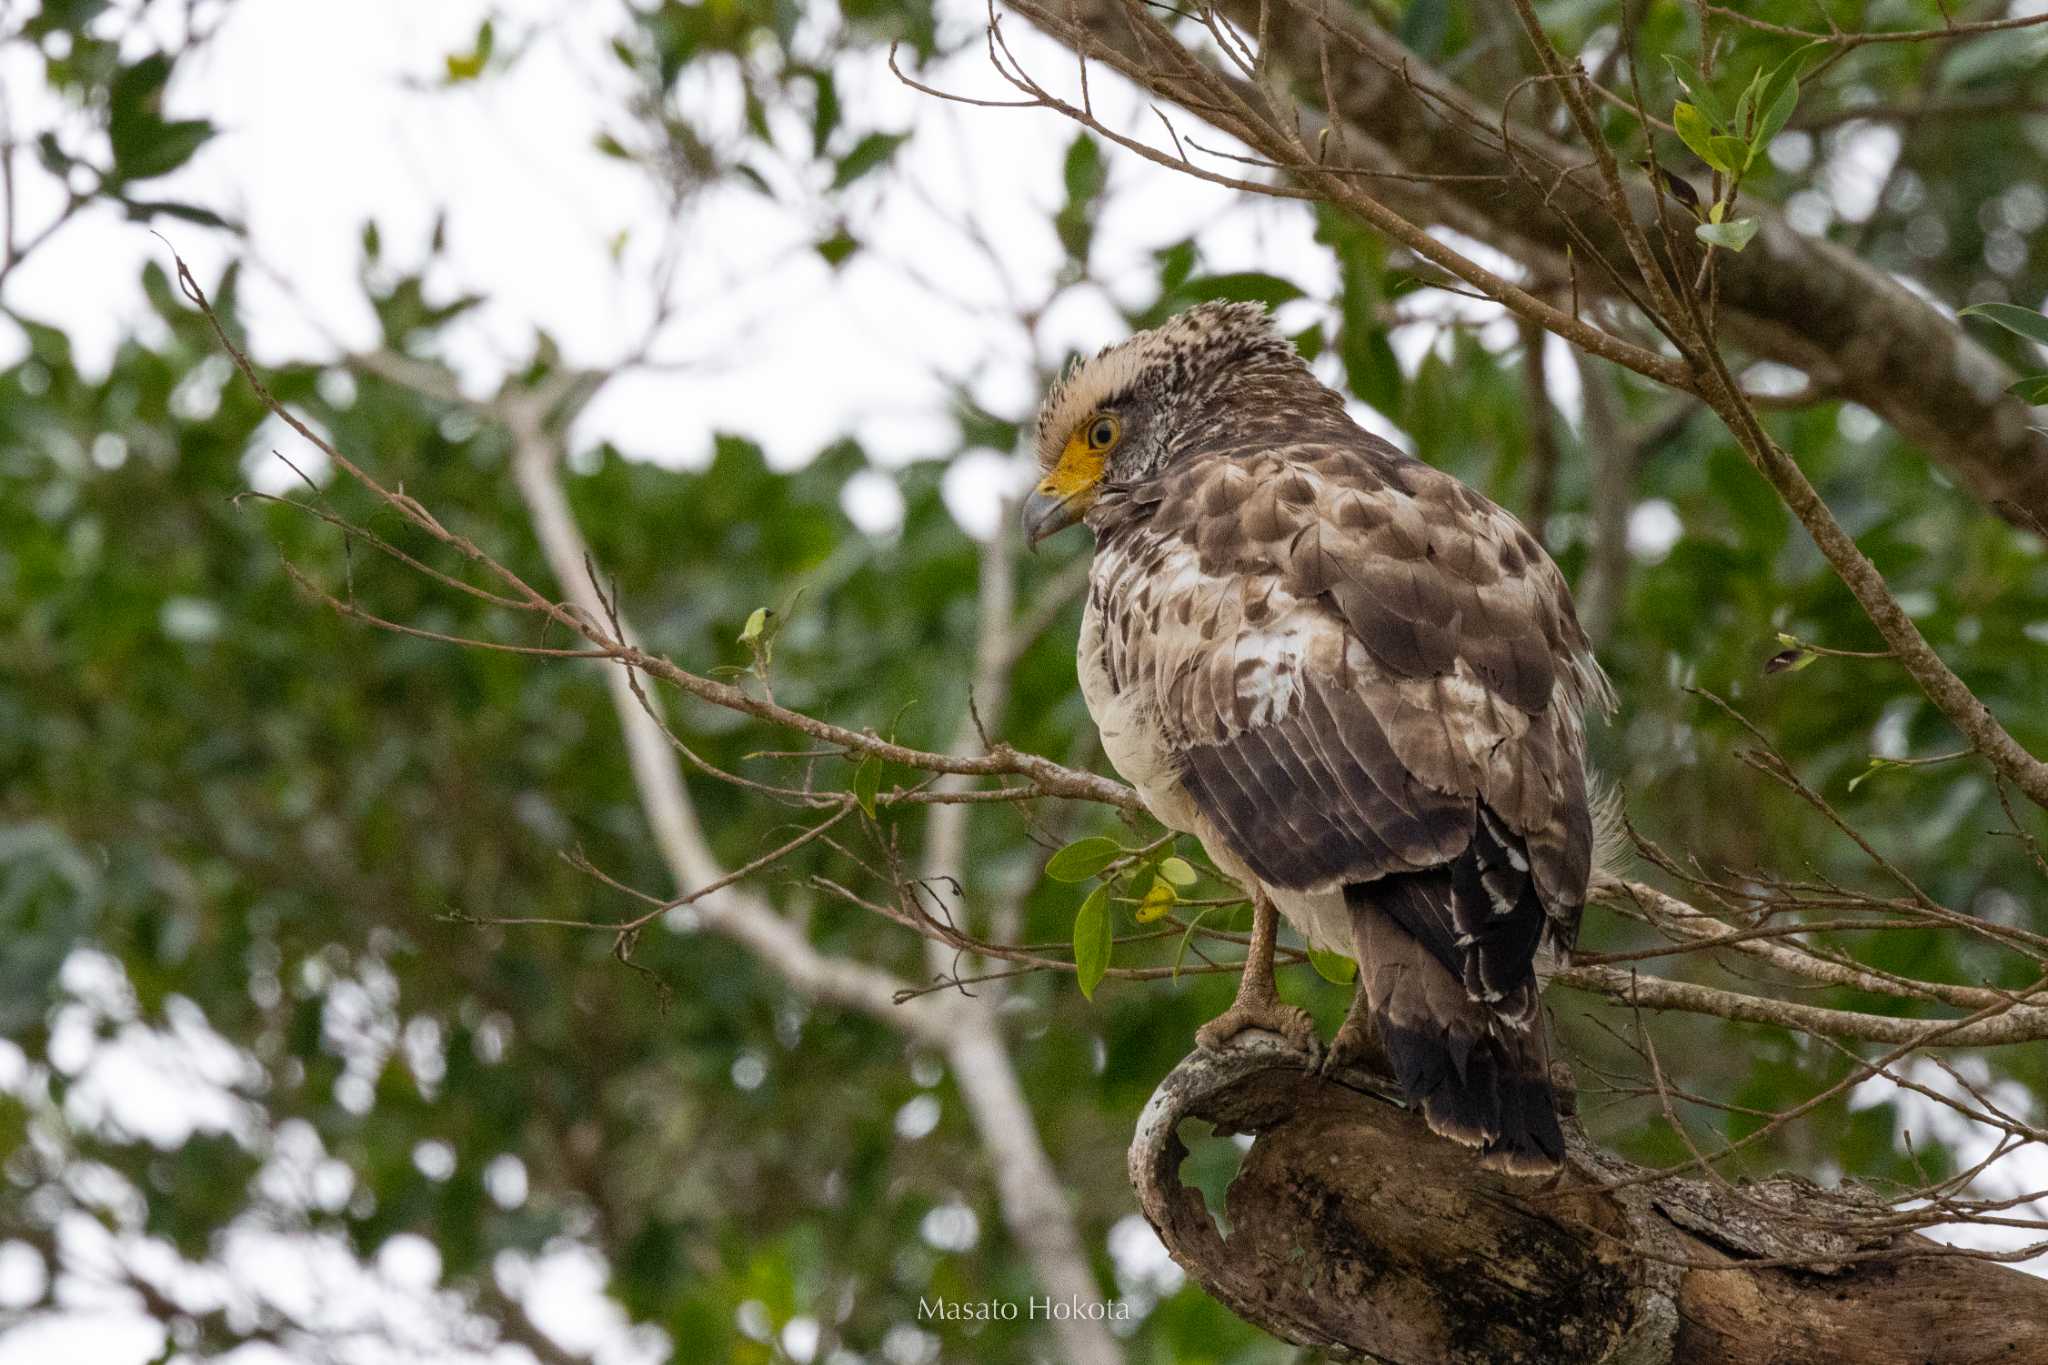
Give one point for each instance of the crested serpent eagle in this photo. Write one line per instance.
(1358, 682)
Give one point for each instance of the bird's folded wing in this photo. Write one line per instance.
(1351, 655)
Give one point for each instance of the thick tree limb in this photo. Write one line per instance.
(1789, 298)
(1353, 1229)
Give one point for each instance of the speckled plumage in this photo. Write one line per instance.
(1359, 683)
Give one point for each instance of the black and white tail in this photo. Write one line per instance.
(1447, 962)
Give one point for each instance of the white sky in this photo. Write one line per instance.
(314, 148)
(331, 119)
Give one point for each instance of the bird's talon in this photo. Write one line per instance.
(1291, 1022)
(1356, 1045)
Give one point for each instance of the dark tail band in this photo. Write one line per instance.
(1489, 1092)
(1472, 1057)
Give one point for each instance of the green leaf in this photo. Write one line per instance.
(1176, 263)
(1734, 234)
(1703, 97)
(1694, 132)
(1249, 286)
(1177, 871)
(143, 142)
(1334, 968)
(136, 93)
(1180, 953)
(2013, 318)
(825, 111)
(160, 148)
(1093, 942)
(868, 154)
(1739, 122)
(867, 781)
(1083, 170)
(53, 157)
(141, 210)
(836, 248)
(1370, 366)
(1082, 859)
(1780, 100)
(1085, 179)
(2033, 389)
(467, 66)
(758, 635)
(1780, 95)
(1732, 153)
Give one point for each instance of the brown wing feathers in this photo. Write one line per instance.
(1320, 798)
(1436, 776)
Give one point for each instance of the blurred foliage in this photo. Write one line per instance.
(276, 821)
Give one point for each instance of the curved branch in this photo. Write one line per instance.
(1353, 1229)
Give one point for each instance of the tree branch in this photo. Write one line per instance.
(1790, 298)
(1353, 1228)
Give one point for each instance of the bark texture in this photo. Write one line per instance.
(1354, 1230)
(1790, 298)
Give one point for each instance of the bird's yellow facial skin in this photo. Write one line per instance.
(1079, 469)
(1065, 494)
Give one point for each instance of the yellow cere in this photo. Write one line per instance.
(1080, 465)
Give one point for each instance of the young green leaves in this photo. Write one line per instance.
(1729, 138)
(758, 635)
(1152, 876)
(1733, 234)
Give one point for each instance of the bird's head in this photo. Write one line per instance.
(1121, 418)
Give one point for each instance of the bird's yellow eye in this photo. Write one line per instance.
(1103, 431)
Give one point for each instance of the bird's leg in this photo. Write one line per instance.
(1358, 1041)
(1258, 1003)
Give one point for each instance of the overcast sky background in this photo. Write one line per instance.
(333, 116)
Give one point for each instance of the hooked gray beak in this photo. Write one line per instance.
(1045, 513)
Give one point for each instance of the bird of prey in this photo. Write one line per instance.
(1358, 682)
